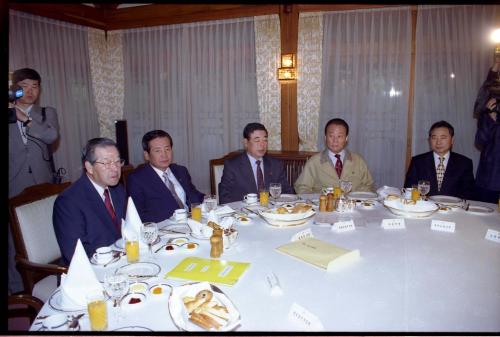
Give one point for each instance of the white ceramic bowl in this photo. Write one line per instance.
(285, 220)
(419, 210)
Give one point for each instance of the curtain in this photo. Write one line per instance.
(309, 55)
(267, 53)
(452, 60)
(59, 52)
(365, 81)
(197, 82)
(106, 65)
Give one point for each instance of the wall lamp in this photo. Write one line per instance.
(288, 71)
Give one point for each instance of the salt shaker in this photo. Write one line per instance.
(322, 203)
(216, 243)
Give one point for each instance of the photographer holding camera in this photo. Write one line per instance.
(31, 134)
(32, 131)
(486, 110)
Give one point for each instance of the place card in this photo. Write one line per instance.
(305, 234)
(393, 224)
(304, 319)
(443, 226)
(492, 235)
(343, 226)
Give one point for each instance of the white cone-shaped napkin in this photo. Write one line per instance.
(79, 281)
(133, 224)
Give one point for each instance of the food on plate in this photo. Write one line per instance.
(134, 300)
(392, 197)
(205, 311)
(157, 290)
(191, 245)
(169, 247)
(282, 210)
(301, 208)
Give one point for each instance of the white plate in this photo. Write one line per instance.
(180, 315)
(119, 244)
(55, 303)
(446, 200)
(362, 196)
(133, 328)
(243, 220)
(480, 210)
(420, 210)
(200, 236)
(175, 228)
(140, 271)
(287, 198)
(165, 289)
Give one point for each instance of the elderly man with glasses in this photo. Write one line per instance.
(91, 209)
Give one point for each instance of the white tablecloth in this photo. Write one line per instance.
(412, 279)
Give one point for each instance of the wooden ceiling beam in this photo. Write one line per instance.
(74, 13)
(166, 14)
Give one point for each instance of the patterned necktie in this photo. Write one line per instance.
(440, 172)
(171, 187)
(338, 165)
(260, 177)
(109, 207)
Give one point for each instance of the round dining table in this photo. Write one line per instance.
(411, 279)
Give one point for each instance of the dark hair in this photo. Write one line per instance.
(442, 124)
(149, 136)
(89, 149)
(251, 127)
(338, 121)
(26, 73)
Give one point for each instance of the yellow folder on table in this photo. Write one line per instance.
(210, 270)
(319, 253)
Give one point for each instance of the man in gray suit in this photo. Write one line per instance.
(31, 130)
(30, 134)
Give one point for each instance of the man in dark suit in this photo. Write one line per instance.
(91, 209)
(241, 173)
(160, 187)
(448, 172)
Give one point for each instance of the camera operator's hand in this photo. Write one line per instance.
(491, 104)
(20, 115)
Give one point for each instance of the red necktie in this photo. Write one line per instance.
(109, 207)
(338, 165)
(260, 177)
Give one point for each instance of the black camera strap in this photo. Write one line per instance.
(49, 146)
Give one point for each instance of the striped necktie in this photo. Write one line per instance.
(260, 177)
(440, 172)
(171, 187)
(338, 165)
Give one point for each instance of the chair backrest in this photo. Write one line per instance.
(23, 305)
(294, 162)
(31, 223)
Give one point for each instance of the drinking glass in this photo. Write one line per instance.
(210, 202)
(149, 233)
(196, 212)
(346, 186)
(264, 197)
(132, 248)
(415, 193)
(116, 285)
(275, 190)
(424, 186)
(97, 310)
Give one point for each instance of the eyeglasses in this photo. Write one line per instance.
(108, 164)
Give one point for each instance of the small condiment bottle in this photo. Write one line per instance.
(330, 202)
(322, 203)
(216, 243)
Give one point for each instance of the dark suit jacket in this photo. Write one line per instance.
(238, 179)
(80, 213)
(458, 180)
(151, 196)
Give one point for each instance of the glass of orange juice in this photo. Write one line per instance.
(98, 313)
(264, 197)
(337, 192)
(196, 212)
(415, 193)
(132, 249)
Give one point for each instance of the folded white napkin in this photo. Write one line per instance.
(79, 281)
(227, 222)
(132, 225)
(220, 210)
(384, 191)
(199, 229)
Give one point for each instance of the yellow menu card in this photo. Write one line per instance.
(215, 271)
(319, 253)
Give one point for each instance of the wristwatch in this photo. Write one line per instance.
(26, 122)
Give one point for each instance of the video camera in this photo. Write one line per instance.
(15, 92)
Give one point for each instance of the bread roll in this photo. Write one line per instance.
(201, 297)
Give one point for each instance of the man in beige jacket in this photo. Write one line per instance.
(335, 163)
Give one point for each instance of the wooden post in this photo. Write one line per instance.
(289, 24)
(409, 125)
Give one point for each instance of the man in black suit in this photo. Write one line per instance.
(449, 173)
(241, 174)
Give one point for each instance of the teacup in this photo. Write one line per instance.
(250, 198)
(103, 254)
(56, 322)
(180, 214)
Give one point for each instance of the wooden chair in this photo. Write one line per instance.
(22, 307)
(34, 238)
(294, 163)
